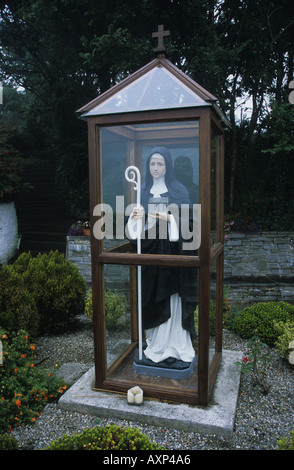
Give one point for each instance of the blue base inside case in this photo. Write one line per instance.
(177, 370)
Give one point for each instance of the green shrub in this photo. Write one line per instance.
(104, 438)
(285, 444)
(115, 308)
(57, 287)
(286, 335)
(227, 314)
(18, 309)
(260, 319)
(8, 442)
(212, 318)
(25, 388)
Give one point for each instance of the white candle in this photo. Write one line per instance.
(135, 396)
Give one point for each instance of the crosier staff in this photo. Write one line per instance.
(130, 174)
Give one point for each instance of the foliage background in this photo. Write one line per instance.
(63, 53)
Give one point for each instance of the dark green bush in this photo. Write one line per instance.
(57, 287)
(286, 444)
(8, 442)
(104, 438)
(260, 319)
(115, 308)
(286, 336)
(212, 318)
(18, 309)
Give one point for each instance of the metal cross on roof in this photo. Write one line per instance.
(160, 35)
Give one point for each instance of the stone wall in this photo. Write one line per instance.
(78, 251)
(267, 255)
(260, 267)
(257, 267)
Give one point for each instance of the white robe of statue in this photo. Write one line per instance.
(169, 339)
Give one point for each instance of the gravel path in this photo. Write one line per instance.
(260, 420)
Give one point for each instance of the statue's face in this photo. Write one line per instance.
(157, 166)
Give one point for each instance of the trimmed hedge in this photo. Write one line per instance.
(18, 308)
(115, 308)
(260, 320)
(111, 437)
(50, 292)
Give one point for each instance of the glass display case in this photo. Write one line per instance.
(162, 266)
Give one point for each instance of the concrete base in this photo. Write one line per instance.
(218, 418)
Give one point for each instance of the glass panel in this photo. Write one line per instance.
(117, 310)
(157, 89)
(131, 145)
(167, 347)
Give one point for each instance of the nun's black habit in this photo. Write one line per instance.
(160, 283)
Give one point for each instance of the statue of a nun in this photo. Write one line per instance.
(169, 294)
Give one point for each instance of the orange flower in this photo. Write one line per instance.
(31, 366)
(4, 336)
(33, 419)
(32, 347)
(15, 370)
(23, 355)
(26, 337)
(18, 402)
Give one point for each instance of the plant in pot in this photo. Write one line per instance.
(80, 228)
(86, 230)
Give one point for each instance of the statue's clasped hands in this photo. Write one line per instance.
(138, 213)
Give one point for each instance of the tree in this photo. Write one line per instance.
(65, 52)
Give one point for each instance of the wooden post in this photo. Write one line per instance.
(95, 178)
(204, 253)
